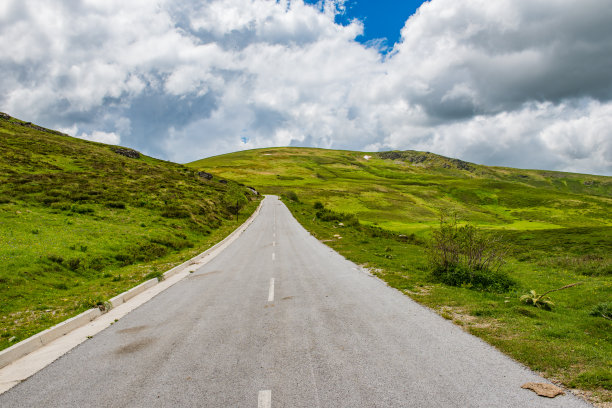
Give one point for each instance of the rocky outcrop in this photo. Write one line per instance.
(461, 165)
(132, 154)
(205, 175)
(431, 159)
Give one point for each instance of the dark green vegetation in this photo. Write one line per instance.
(380, 211)
(466, 256)
(81, 222)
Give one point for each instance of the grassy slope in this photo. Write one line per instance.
(558, 225)
(80, 223)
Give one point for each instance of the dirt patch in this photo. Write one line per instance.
(421, 291)
(134, 329)
(203, 275)
(593, 398)
(287, 298)
(134, 346)
(463, 318)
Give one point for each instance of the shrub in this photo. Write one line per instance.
(81, 209)
(74, 263)
(172, 243)
(460, 275)
(463, 255)
(116, 204)
(97, 263)
(292, 196)
(55, 258)
(318, 205)
(234, 198)
(175, 212)
(329, 215)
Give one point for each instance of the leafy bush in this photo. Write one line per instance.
(318, 205)
(74, 263)
(486, 280)
(330, 215)
(172, 243)
(175, 212)
(463, 255)
(55, 258)
(116, 204)
(291, 196)
(79, 209)
(234, 198)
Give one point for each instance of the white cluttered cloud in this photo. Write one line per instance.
(525, 83)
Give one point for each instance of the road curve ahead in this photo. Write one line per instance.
(280, 320)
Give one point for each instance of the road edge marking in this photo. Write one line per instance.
(264, 399)
(271, 291)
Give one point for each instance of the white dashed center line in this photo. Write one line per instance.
(264, 400)
(271, 291)
(273, 256)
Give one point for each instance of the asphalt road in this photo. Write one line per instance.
(278, 319)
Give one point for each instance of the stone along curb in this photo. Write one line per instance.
(24, 347)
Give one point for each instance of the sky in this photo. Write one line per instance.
(382, 19)
(519, 83)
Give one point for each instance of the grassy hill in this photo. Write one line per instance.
(81, 222)
(406, 191)
(378, 209)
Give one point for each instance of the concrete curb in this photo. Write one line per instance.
(24, 347)
(136, 290)
(35, 342)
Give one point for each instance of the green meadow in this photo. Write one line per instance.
(81, 223)
(379, 210)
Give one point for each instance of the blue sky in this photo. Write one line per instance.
(503, 82)
(382, 19)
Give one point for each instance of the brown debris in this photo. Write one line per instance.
(544, 390)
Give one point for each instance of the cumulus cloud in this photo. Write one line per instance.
(523, 83)
(102, 137)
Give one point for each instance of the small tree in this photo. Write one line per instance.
(461, 255)
(234, 198)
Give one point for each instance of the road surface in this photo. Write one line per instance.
(280, 320)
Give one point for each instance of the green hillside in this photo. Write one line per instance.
(379, 210)
(81, 222)
(406, 191)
